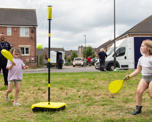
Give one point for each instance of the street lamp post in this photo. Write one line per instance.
(85, 45)
(114, 36)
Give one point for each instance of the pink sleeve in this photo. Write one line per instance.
(22, 63)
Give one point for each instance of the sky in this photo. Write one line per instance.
(73, 19)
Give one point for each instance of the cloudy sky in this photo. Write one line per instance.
(72, 19)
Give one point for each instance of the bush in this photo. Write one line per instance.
(67, 64)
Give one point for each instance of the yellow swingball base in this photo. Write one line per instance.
(45, 106)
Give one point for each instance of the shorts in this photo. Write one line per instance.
(15, 81)
(147, 78)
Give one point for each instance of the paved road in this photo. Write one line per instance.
(65, 69)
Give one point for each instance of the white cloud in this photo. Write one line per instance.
(74, 18)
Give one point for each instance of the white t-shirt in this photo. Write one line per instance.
(146, 64)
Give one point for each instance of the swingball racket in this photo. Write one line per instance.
(7, 55)
(115, 86)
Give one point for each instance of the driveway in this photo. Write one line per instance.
(65, 69)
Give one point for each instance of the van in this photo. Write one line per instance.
(127, 53)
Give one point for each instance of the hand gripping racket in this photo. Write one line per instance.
(7, 55)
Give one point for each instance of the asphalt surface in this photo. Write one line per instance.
(64, 69)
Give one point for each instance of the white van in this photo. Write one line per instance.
(127, 53)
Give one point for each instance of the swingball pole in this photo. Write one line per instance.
(48, 106)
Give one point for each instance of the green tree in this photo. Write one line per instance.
(88, 52)
(73, 55)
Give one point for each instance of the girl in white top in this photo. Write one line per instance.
(145, 67)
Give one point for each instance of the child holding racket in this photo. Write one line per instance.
(145, 67)
(15, 74)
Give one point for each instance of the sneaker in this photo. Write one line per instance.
(16, 104)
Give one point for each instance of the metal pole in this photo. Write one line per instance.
(85, 45)
(114, 36)
(49, 49)
(49, 64)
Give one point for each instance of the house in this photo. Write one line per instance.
(105, 46)
(142, 29)
(19, 26)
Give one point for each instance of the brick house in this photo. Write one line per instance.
(105, 46)
(19, 26)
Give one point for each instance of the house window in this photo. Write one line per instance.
(9, 31)
(25, 50)
(24, 32)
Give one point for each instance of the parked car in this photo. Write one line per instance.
(78, 62)
(93, 60)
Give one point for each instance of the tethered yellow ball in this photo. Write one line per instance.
(39, 46)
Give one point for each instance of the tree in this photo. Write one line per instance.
(73, 55)
(88, 52)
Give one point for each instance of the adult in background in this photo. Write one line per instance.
(102, 56)
(3, 61)
(60, 62)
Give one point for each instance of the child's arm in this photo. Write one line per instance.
(24, 66)
(11, 66)
(137, 71)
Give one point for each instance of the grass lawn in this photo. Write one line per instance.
(86, 95)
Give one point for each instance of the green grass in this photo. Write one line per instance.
(86, 96)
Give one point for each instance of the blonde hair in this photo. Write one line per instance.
(148, 44)
(16, 50)
(102, 49)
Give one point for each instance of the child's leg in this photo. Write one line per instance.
(17, 85)
(150, 89)
(10, 84)
(142, 86)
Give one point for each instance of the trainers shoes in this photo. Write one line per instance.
(16, 104)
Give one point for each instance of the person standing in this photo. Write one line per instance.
(60, 62)
(145, 67)
(89, 61)
(3, 61)
(15, 74)
(102, 56)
